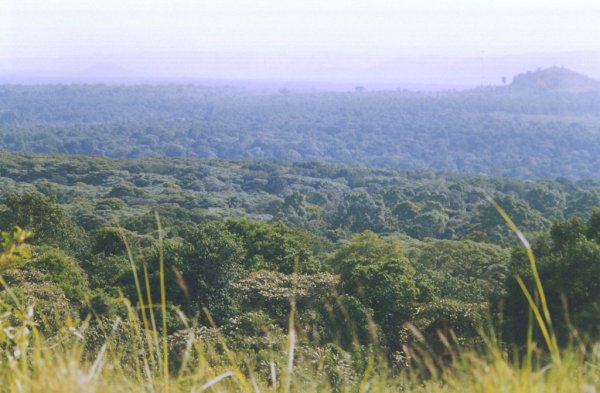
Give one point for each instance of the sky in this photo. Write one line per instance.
(317, 29)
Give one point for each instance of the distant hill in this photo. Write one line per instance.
(300, 72)
(555, 79)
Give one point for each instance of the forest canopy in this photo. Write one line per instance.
(510, 131)
(402, 247)
(382, 247)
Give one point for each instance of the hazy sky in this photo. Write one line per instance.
(91, 29)
(401, 27)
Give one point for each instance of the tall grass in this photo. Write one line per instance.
(134, 356)
(539, 309)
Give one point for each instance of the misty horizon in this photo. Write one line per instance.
(427, 45)
(301, 72)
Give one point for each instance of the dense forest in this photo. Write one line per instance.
(330, 200)
(352, 244)
(516, 131)
(196, 234)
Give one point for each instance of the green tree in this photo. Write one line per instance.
(108, 240)
(463, 270)
(568, 262)
(273, 247)
(14, 251)
(359, 211)
(61, 269)
(41, 215)
(52, 283)
(202, 270)
(273, 291)
(377, 272)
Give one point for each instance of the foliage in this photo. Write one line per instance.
(273, 247)
(264, 287)
(377, 272)
(14, 249)
(48, 222)
(568, 265)
(296, 276)
(462, 270)
(439, 261)
(327, 200)
(61, 269)
(204, 268)
(274, 292)
(516, 132)
(462, 321)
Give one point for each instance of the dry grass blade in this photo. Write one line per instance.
(545, 324)
(214, 381)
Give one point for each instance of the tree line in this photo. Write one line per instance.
(490, 131)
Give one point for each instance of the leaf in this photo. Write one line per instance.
(14, 249)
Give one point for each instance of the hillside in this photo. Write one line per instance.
(555, 79)
(353, 254)
(500, 132)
